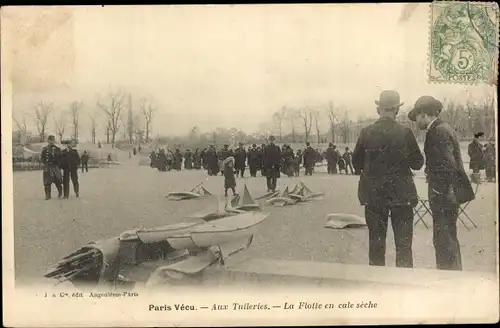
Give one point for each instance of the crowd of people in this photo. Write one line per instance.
(252, 157)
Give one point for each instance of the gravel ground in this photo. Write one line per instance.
(127, 196)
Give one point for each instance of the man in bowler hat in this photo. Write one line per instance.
(385, 153)
(271, 164)
(447, 180)
(70, 161)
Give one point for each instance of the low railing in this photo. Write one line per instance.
(28, 164)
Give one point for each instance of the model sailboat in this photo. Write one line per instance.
(241, 204)
(281, 200)
(196, 192)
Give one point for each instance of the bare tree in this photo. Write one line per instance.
(333, 113)
(42, 112)
(22, 127)
(60, 125)
(148, 112)
(345, 127)
(75, 108)
(291, 115)
(278, 119)
(113, 109)
(93, 125)
(307, 117)
(316, 115)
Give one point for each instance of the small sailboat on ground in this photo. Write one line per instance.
(304, 193)
(240, 204)
(281, 200)
(269, 195)
(196, 192)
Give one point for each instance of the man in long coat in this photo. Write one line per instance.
(240, 157)
(387, 152)
(51, 160)
(476, 154)
(448, 182)
(489, 155)
(253, 160)
(332, 157)
(271, 165)
(212, 161)
(70, 162)
(309, 158)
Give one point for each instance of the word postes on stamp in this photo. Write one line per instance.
(463, 42)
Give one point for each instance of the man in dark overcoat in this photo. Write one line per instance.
(476, 154)
(271, 164)
(253, 160)
(240, 158)
(51, 160)
(309, 159)
(387, 152)
(332, 157)
(448, 182)
(70, 162)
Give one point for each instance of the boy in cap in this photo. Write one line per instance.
(229, 179)
(448, 182)
(386, 152)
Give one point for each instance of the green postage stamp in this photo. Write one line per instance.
(463, 42)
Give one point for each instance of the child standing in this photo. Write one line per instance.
(229, 179)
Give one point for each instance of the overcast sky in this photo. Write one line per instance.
(225, 65)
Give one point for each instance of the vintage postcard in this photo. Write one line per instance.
(249, 165)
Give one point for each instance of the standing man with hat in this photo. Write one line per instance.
(271, 164)
(51, 159)
(449, 185)
(70, 162)
(385, 153)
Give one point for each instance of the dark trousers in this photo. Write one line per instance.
(240, 171)
(309, 169)
(73, 175)
(271, 182)
(490, 171)
(349, 166)
(377, 217)
(332, 168)
(253, 171)
(445, 239)
(85, 165)
(48, 180)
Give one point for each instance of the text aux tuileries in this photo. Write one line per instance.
(214, 307)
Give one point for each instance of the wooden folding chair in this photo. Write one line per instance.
(463, 207)
(423, 209)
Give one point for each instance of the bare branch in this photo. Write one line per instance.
(42, 112)
(113, 109)
(148, 112)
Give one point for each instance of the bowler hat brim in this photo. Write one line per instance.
(412, 115)
(389, 107)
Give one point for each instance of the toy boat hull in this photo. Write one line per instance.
(218, 232)
(160, 234)
(269, 195)
(182, 195)
(280, 201)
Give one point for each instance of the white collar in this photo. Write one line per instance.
(430, 123)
